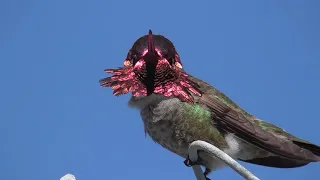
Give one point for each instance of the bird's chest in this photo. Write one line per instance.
(159, 129)
(160, 122)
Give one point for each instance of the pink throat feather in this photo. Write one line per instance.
(169, 81)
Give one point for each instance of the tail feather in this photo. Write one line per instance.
(311, 147)
(282, 162)
(277, 162)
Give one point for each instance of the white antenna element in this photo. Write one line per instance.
(201, 145)
(68, 177)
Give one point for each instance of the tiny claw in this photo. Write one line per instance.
(206, 173)
(189, 163)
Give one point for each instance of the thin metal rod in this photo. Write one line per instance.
(201, 145)
(198, 172)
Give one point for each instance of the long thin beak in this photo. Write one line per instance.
(151, 47)
(151, 59)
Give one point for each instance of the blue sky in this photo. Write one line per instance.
(55, 119)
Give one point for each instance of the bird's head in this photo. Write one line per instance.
(152, 66)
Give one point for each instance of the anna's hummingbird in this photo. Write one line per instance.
(177, 109)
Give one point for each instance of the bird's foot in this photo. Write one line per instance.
(189, 163)
(206, 173)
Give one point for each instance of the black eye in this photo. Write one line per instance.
(134, 59)
(171, 61)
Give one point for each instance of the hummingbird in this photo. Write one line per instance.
(177, 108)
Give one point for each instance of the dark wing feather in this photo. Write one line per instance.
(235, 122)
(277, 162)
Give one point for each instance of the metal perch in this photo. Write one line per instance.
(201, 145)
(193, 156)
(68, 177)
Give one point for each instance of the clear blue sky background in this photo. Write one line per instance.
(55, 119)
